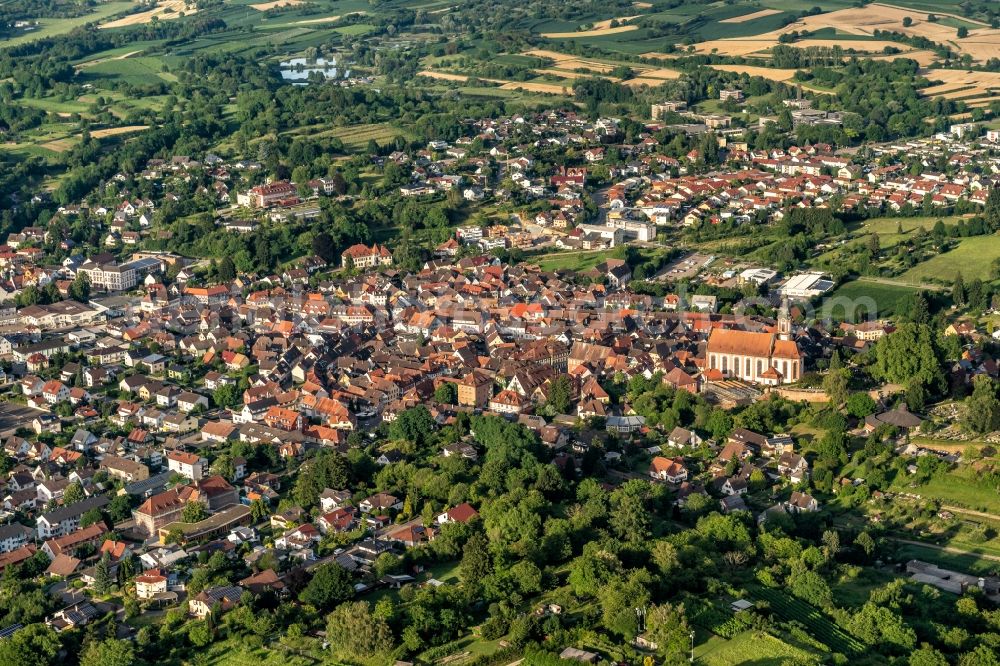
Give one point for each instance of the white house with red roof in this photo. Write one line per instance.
(671, 470)
(462, 513)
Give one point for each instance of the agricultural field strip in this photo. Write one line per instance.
(751, 17)
(164, 10)
(938, 14)
(982, 43)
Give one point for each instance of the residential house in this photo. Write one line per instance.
(669, 470)
(187, 464)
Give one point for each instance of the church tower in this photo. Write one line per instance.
(784, 321)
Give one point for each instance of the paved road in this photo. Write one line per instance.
(600, 198)
(382, 531)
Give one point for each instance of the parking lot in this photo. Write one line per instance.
(14, 416)
(685, 267)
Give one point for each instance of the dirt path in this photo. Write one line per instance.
(947, 549)
(892, 282)
(91, 63)
(970, 512)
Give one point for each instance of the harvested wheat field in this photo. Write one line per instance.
(325, 19)
(866, 46)
(642, 5)
(923, 58)
(552, 55)
(566, 74)
(264, 6)
(447, 76)
(166, 9)
(600, 28)
(982, 43)
(770, 73)
(644, 81)
(576, 63)
(443, 76)
(115, 131)
(751, 17)
(661, 73)
(59, 145)
(529, 86)
(730, 47)
(939, 14)
(960, 83)
(550, 88)
(567, 62)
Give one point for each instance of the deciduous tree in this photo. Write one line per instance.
(354, 630)
(330, 584)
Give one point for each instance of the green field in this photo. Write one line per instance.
(820, 627)
(964, 563)
(138, 70)
(49, 27)
(887, 228)
(796, 5)
(573, 260)
(751, 647)
(54, 105)
(972, 258)
(887, 297)
(355, 29)
(357, 136)
(958, 487)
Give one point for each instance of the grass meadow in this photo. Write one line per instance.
(972, 258)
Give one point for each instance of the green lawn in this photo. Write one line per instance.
(573, 260)
(972, 257)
